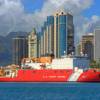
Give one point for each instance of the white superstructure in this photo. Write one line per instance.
(70, 63)
(61, 63)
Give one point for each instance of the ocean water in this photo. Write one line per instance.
(49, 91)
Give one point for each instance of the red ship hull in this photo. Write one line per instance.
(39, 76)
(89, 76)
(52, 76)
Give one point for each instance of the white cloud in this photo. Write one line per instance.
(10, 11)
(57, 2)
(14, 18)
(95, 18)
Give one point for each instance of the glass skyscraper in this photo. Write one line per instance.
(63, 34)
(20, 49)
(47, 37)
(50, 31)
(58, 34)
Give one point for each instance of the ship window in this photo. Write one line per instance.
(7, 73)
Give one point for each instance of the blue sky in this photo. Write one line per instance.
(93, 10)
(32, 5)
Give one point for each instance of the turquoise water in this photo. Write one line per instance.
(49, 91)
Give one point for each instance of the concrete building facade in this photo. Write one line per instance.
(32, 44)
(97, 44)
(87, 45)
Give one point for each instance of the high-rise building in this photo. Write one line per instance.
(87, 45)
(47, 37)
(58, 35)
(63, 34)
(32, 44)
(97, 43)
(20, 49)
(79, 48)
(38, 45)
(41, 46)
(50, 31)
